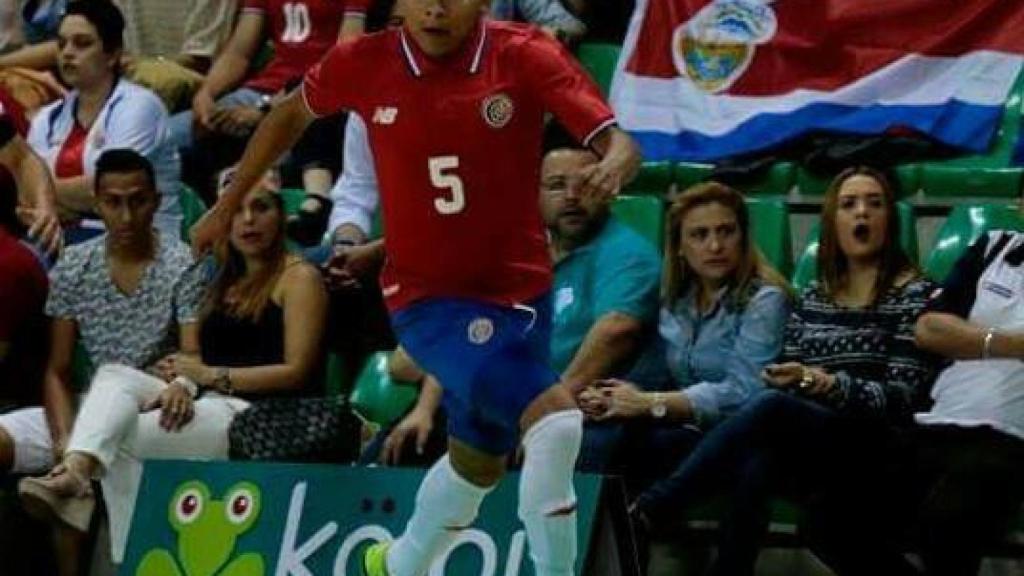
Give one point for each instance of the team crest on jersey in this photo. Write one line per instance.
(480, 330)
(497, 110)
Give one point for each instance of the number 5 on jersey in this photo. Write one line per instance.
(440, 167)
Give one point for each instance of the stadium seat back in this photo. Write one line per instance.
(963, 226)
(645, 214)
(192, 209)
(769, 223)
(599, 60)
(654, 178)
(377, 396)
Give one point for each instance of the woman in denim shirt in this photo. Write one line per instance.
(720, 324)
(849, 369)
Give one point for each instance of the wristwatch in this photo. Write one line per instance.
(807, 379)
(658, 407)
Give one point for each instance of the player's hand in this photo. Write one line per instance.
(203, 107)
(598, 181)
(417, 425)
(236, 121)
(349, 265)
(213, 226)
(43, 225)
(176, 407)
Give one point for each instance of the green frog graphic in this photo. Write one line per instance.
(207, 531)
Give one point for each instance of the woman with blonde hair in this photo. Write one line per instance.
(259, 335)
(849, 368)
(720, 324)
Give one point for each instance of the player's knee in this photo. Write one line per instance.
(552, 445)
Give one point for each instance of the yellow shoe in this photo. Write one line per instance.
(375, 559)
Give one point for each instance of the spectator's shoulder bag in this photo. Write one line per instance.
(304, 429)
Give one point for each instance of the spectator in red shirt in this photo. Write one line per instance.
(301, 33)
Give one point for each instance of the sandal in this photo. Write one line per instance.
(307, 227)
(63, 496)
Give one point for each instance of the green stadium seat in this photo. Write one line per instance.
(769, 222)
(292, 199)
(776, 181)
(645, 214)
(378, 397)
(985, 175)
(963, 226)
(599, 60)
(807, 264)
(908, 179)
(811, 183)
(687, 174)
(653, 178)
(192, 209)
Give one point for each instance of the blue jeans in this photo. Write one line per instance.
(180, 124)
(774, 441)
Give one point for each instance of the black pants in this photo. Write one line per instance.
(947, 492)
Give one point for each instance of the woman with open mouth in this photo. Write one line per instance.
(849, 369)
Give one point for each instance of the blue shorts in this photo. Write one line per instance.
(492, 362)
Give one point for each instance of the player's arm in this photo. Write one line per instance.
(278, 132)
(608, 343)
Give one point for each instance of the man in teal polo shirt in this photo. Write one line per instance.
(605, 307)
(605, 291)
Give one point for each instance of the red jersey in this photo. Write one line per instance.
(456, 145)
(302, 31)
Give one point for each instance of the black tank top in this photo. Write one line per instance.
(237, 342)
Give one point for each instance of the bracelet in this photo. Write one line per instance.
(986, 344)
(191, 387)
(222, 382)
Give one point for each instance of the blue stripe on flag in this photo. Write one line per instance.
(967, 126)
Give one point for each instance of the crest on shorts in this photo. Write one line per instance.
(497, 110)
(480, 330)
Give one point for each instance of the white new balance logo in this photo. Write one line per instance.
(385, 115)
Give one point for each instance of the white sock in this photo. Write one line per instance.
(444, 501)
(547, 500)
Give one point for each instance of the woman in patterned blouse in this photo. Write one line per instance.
(849, 368)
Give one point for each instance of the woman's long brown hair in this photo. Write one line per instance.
(239, 295)
(678, 277)
(833, 266)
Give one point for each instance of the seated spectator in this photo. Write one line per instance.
(226, 107)
(102, 112)
(954, 480)
(149, 290)
(605, 302)
(849, 367)
(259, 334)
(550, 15)
(720, 324)
(164, 51)
(23, 282)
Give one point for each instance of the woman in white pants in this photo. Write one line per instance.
(259, 335)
